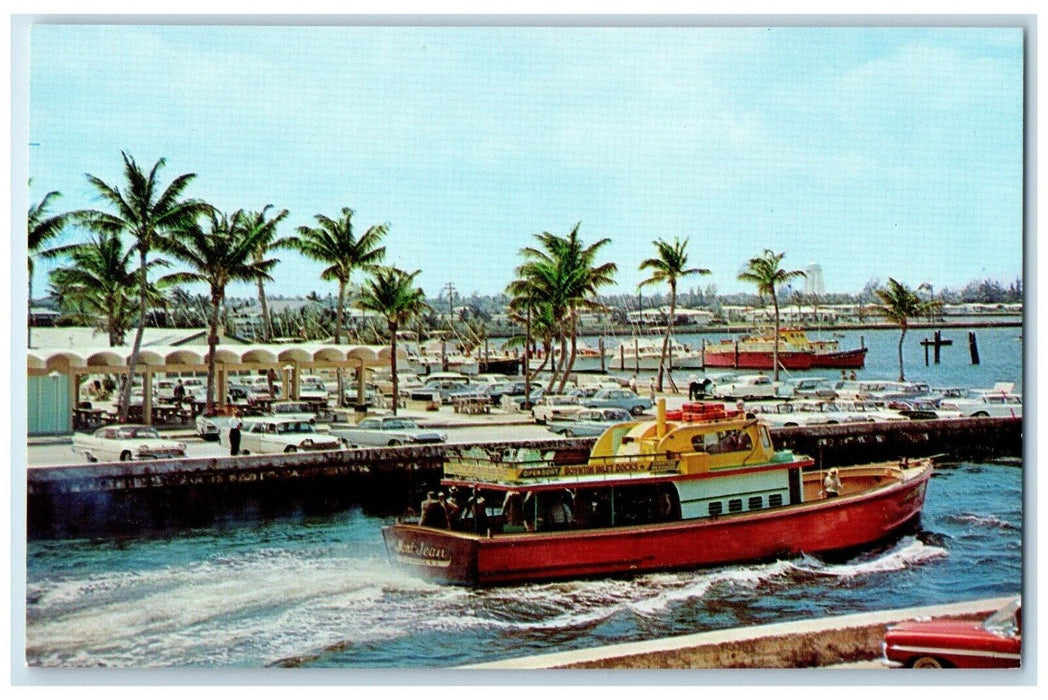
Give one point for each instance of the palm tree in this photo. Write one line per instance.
(267, 241)
(565, 275)
(223, 253)
(100, 286)
(898, 304)
(149, 214)
(41, 229)
(332, 242)
(764, 271)
(669, 266)
(391, 293)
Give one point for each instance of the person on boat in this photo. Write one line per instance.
(451, 508)
(560, 516)
(513, 510)
(479, 512)
(832, 483)
(432, 512)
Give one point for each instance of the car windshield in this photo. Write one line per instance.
(297, 427)
(1004, 620)
(399, 424)
(145, 433)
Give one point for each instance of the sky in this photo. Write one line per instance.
(872, 152)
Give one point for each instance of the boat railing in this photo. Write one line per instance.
(493, 469)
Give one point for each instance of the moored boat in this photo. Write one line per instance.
(796, 352)
(699, 487)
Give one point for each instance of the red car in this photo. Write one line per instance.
(996, 642)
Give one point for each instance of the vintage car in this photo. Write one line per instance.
(313, 389)
(614, 397)
(273, 435)
(293, 410)
(996, 642)
(209, 427)
(750, 387)
(555, 407)
(111, 443)
(590, 422)
(388, 431)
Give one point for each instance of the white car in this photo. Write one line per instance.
(313, 389)
(749, 387)
(555, 407)
(293, 410)
(210, 427)
(122, 443)
(389, 431)
(987, 405)
(275, 435)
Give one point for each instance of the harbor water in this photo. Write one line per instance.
(319, 591)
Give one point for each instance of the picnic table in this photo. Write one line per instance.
(471, 405)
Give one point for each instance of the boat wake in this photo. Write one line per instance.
(983, 521)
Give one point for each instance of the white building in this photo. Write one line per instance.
(813, 282)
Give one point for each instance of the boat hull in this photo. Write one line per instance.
(818, 527)
(729, 359)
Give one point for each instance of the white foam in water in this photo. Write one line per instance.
(905, 553)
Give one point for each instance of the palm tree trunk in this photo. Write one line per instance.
(267, 326)
(212, 346)
(574, 350)
(902, 336)
(125, 392)
(339, 319)
(775, 347)
(393, 364)
(526, 359)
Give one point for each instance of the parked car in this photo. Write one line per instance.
(388, 431)
(590, 422)
(555, 407)
(209, 427)
(113, 443)
(996, 642)
(196, 389)
(618, 398)
(274, 435)
(293, 410)
(808, 388)
(313, 389)
(441, 384)
(499, 389)
(750, 387)
(988, 404)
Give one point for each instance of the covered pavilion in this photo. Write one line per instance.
(288, 361)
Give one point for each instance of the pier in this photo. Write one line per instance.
(136, 498)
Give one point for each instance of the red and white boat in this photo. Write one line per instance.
(694, 488)
(796, 352)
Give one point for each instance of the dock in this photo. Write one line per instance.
(139, 497)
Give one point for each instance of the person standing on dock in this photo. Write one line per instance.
(651, 390)
(179, 394)
(234, 434)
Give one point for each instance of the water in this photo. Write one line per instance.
(319, 592)
(1000, 356)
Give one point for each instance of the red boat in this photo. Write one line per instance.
(796, 352)
(706, 489)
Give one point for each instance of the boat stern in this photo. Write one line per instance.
(441, 556)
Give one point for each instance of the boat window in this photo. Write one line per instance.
(775, 500)
(755, 503)
(716, 508)
(735, 505)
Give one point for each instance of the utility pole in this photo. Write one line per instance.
(451, 300)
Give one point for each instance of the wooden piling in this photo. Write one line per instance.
(973, 347)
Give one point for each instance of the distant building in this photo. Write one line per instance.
(813, 282)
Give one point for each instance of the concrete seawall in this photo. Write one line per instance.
(799, 644)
